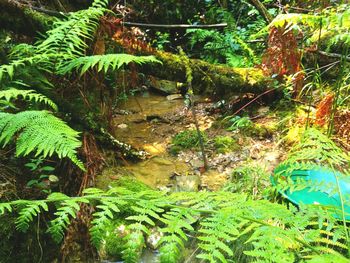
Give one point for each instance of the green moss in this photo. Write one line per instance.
(114, 240)
(224, 144)
(130, 183)
(188, 139)
(263, 130)
(175, 149)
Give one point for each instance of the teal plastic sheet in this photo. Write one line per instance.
(321, 189)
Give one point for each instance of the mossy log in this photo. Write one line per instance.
(217, 80)
(21, 19)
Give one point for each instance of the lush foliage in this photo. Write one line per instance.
(270, 231)
(235, 224)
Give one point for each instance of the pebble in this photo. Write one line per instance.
(122, 126)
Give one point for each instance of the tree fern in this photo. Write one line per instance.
(29, 95)
(104, 62)
(40, 132)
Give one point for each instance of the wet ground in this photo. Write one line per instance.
(149, 121)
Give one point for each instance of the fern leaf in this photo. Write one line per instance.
(40, 132)
(4, 207)
(67, 210)
(30, 95)
(104, 62)
(27, 214)
(102, 217)
(133, 247)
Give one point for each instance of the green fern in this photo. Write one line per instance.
(216, 233)
(314, 150)
(68, 36)
(30, 95)
(28, 213)
(104, 62)
(269, 232)
(331, 25)
(64, 42)
(132, 249)
(177, 221)
(67, 209)
(40, 132)
(102, 217)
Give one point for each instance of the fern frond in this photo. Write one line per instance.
(65, 212)
(65, 41)
(265, 232)
(176, 221)
(28, 213)
(315, 150)
(4, 207)
(216, 231)
(102, 217)
(69, 36)
(133, 247)
(40, 132)
(30, 95)
(104, 62)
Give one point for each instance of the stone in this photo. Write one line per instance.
(174, 97)
(122, 126)
(196, 163)
(164, 86)
(189, 183)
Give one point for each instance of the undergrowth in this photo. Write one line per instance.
(272, 231)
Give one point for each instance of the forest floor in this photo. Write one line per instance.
(149, 121)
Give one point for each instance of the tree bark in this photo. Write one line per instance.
(262, 10)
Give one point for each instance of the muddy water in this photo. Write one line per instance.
(140, 114)
(148, 121)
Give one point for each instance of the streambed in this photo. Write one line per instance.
(148, 121)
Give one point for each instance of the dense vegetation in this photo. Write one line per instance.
(61, 88)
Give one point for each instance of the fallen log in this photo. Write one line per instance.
(210, 79)
(21, 19)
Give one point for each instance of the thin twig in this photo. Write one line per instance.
(222, 25)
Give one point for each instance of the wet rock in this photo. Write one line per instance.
(164, 86)
(122, 126)
(162, 161)
(189, 183)
(153, 238)
(196, 163)
(174, 97)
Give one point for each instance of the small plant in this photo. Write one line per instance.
(188, 139)
(239, 123)
(162, 40)
(224, 144)
(43, 177)
(250, 178)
